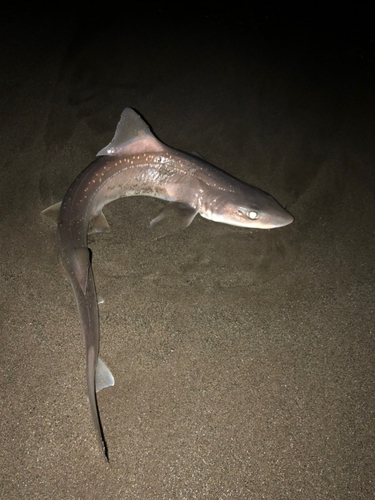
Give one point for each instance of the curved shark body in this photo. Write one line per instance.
(136, 163)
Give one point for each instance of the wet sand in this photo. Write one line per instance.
(243, 359)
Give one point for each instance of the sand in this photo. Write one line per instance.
(243, 359)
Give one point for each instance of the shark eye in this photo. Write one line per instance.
(252, 215)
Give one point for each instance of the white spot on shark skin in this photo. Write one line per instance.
(162, 159)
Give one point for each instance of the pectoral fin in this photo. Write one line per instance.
(176, 215)
(103, 376)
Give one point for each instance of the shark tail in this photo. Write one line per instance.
(95, 365)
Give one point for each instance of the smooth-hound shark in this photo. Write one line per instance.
(136, 163)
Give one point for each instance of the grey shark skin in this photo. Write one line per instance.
(136, 163)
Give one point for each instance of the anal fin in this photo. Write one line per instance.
(83, 258)
(98, 224)
(103, 376)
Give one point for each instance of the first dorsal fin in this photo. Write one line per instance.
(132, 136)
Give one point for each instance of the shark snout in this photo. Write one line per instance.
(273, 214)
(282, 219)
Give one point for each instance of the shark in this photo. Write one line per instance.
(137, 163)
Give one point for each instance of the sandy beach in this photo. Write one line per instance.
(243, 359)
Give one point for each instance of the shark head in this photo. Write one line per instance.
(246, 206)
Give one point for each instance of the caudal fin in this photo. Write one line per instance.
(91, 374)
